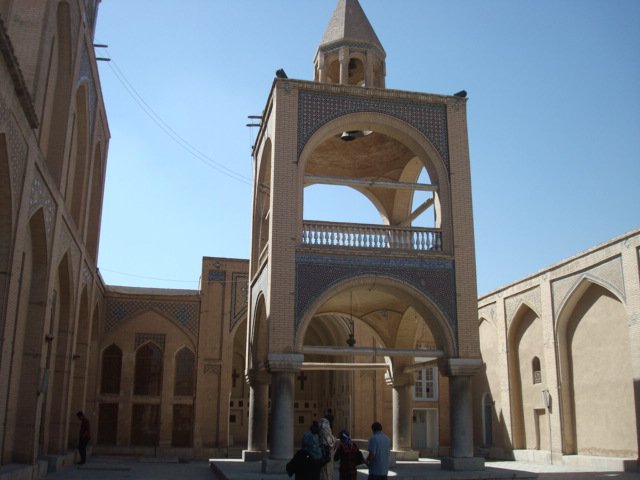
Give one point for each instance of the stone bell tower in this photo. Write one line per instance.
(405, 284)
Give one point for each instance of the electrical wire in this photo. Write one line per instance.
(166, 128)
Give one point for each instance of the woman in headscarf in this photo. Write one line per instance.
(349, 456)
(327, 444)
(307, 461)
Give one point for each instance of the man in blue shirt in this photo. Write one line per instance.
(378, 459)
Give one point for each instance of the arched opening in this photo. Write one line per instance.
(6, 227)
(597, 374)
(525, 341)
(185, 373)
(339, 336)
(95, 204)
(53, 132)
(80, 363)
(148, 370)
(398, 175)
(111, 371)
(62, 331)
(184, 386)
(356, 72)
(262, 209)
(239, 398)
(145, 416)
(77, 172)
(29, 376)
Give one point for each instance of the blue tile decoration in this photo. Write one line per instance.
(185, 314)
(315, 109)
(315, 274)
(142, 338)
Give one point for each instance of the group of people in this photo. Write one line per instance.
(320, 449)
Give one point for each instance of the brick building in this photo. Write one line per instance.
(372, 321)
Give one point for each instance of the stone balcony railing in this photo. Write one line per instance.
(374, 237)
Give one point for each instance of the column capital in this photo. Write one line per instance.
(452, 367)
(285, 362)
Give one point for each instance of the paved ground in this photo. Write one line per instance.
(131, 468)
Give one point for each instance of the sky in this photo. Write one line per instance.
(553, 118)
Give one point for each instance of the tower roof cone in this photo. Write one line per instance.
(349, 24)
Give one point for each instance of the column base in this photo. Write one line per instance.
(405, 455)
(462, 463)
(253, 455)
(274, 465)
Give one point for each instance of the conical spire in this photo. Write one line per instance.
(350, 24)
(350, 52)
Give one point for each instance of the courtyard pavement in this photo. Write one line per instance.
(133, 468)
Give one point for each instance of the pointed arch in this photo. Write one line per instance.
(262, 207)
(524, 341)
(53, 132)
(77, 172)
(185, 379)
(81, 355)
(6, 227)
(594, 357)
(62, 331)
(258, 336)
(148, 370)
(29, 376)
(111, 370)
(96, 193)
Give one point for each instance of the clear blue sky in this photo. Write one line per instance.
(553, 110)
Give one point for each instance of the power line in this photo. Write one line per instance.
(165, 127)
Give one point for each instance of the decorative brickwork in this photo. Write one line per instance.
(529, 297)
(142, 338)
(315, 274)
(318, 108)
(17, 150)
(185, 314)
(608, 274)
(238, 297)
(41, 197)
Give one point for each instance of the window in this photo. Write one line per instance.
(537, 372)
(107, 423)
(185, 363)
(144, 425)
(426, 386)
(111, 370)
(148, 374)
(182, 426)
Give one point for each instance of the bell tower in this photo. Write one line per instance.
(350, 52)
(355, 311)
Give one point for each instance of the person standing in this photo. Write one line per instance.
(349, 456)
(327, 444)
(83, 437)
(379, 448)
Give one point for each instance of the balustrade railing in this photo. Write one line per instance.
(363, 236)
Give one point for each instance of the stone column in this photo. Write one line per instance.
(460, 371)
(402, 418)
(258, 415)
(283, 368)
